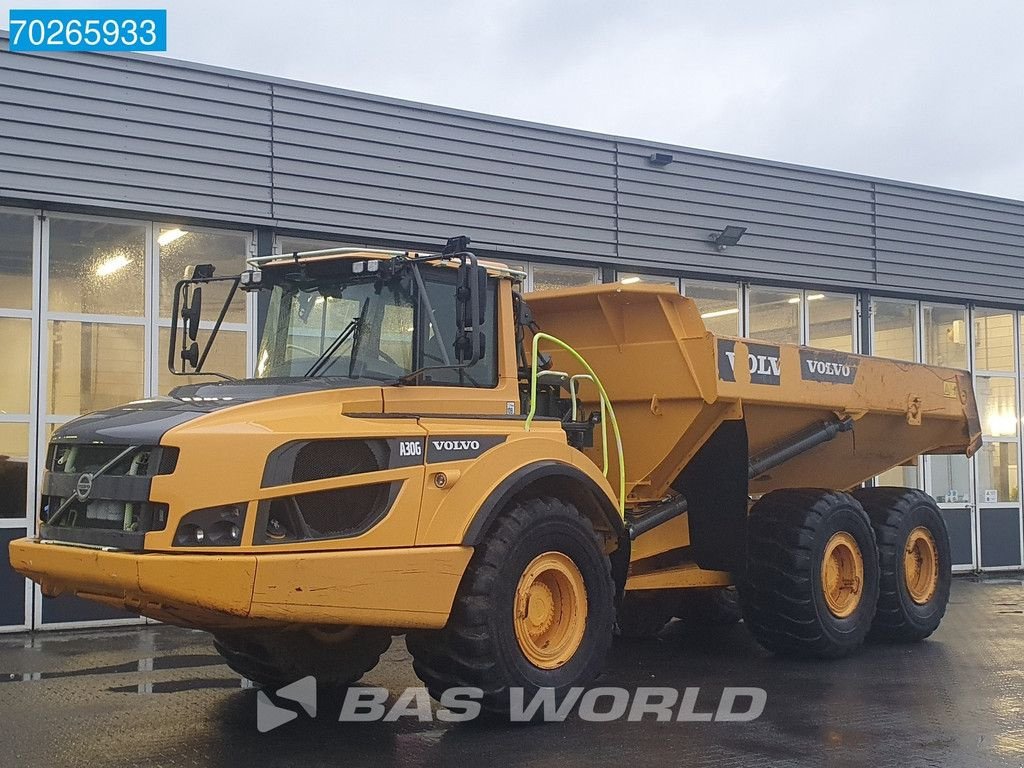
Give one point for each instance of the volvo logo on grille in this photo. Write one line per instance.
(84, 487)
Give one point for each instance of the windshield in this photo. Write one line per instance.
(366, 327)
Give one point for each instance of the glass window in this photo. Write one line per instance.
(298, 244)
(93, 366)
(900, 477)
(895, 329)
(367, 332)
(16, 334)
(993, 340)
(997, 405)
(630, 278)
(97, 267)
(774, 315)
(227, 356)
(16, 260)
(998, 473)
(949, 479)
(181, 248)
(832, 320)
(550, 277)
(945, 335)
(13, 470)
(718, 304)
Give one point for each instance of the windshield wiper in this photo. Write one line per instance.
(354, 324)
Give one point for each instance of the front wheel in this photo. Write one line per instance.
(535, 610)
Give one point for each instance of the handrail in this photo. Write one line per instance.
(605, 400)
(604, 422)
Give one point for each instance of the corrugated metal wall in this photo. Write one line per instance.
(152, 135)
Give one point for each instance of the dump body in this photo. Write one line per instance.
(672, 384)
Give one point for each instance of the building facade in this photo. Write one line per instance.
(116, 171)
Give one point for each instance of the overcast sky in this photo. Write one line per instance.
(930, 91)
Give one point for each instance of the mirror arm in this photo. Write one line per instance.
(217, 325)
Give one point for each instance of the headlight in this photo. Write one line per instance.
(212, 527)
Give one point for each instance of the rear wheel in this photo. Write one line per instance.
(335, 656)
(811, 584)
(535, 610)
(914, 554)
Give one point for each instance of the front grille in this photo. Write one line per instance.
(78, 459)
(108, 487)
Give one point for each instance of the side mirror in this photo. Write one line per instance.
(470, 310)
(192, 313)
(190, 354)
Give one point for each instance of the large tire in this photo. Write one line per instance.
(915, 560)
(493, 642)
(715, 607)
(644, 613)
(811, 583)
(336, 657)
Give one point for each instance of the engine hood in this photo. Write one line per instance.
(144, 422)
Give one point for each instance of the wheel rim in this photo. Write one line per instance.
(921, 565)
(842, 575)
(550, 610)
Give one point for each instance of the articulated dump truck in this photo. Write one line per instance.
(506, 480)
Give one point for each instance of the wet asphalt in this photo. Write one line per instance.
(160, 696)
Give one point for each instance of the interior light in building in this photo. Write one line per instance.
(168, 236)
(816, 296)
(112, 264)
(629, 280)
(1002, 422)
(794, 300)
(720, 313)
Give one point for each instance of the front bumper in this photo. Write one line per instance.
(409, 587)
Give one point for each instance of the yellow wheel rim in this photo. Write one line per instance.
(842, 575)
(550, 610)
(921, 565)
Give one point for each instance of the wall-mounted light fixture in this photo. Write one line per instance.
(659, 159)
(727, 237)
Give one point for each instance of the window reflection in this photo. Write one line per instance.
(718, 304)
(550, 277)
(96, 267)
(16, 334)
(774, 315)
(895, 329)
(998, 473)
(13, 470)
(993, 340)
(831, 320)
(16, 260)
(945, 335)
(92, 366)
(227, 356)
(181, 248)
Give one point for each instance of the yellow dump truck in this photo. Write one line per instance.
(424, 451)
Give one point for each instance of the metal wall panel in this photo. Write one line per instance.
(801, 225)
(147, 134)
(929, 240)
(126, 132)
(393, 171)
